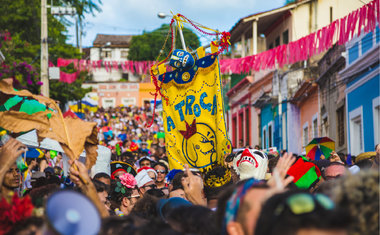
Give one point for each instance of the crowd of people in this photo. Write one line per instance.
(141, 195)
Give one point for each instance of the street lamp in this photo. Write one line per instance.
(162, 15)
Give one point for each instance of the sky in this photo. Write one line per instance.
(133, 17)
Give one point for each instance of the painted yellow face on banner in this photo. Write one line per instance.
(200, 149)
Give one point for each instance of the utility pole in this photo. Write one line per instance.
(44, 50)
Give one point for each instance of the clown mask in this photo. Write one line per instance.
(250, 163)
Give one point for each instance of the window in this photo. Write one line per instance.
(125, 76)
(124, 54)
(277, 42)
(234, 130)
(376, 119)
(106, 54)
(128, 101)
(270, 144)
(324, 126)
(340, 125)
(284, 144)
(356, 131)
(108, 102)
(331, 14)
(315, 127)
(241, 129)
(270, 46)
(285, 37)
(264, 138)
(305, 134)
(247, 131)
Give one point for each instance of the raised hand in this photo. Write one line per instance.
(278, 181)
(79, 175)
(193, 187)
(10, 151)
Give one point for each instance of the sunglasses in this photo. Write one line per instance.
(151, 186)
(161, 171)
(303, 203)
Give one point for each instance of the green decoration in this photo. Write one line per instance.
(32, 106)
(53, 154)
(12, 102)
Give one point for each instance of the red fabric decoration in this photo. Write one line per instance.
(115, 65)
(362, 19)
(99, 64)
(280, 54)
(10, 213)
(342, 30)
(67, 77)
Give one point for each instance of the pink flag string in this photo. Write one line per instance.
(67, 77)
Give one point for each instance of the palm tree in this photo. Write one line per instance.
(83, 7)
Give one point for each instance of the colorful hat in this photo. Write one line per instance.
(148, 169)
(117, 166)
(306, 174)
(142, 178)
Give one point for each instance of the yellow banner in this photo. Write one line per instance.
(195, 130)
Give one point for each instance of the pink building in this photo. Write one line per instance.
(307, 100)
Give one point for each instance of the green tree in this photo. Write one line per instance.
(148, 45)
(21, 19)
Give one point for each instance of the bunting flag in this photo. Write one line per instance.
(341, 31)
(21, 111)
(67, 77)
(195, 130)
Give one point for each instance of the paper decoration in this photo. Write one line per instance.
(21, 111)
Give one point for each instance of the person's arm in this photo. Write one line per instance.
(9, 152)
(279, 180)
(79, 175)
(193, 187)
(43, 165)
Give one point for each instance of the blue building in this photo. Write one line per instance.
(271, 123)
(362, 80)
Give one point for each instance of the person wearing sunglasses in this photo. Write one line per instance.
(301, 213)
(161, 170)
(124, 194)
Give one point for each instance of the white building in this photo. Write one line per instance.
(111, 48)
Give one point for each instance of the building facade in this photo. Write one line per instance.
(112, 85)
(362, 78)
(332, 97)
(282, 119)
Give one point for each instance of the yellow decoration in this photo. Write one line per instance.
(201, 52)
(214, 181)
(214, 48)
(195, 130)
(162, 68)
